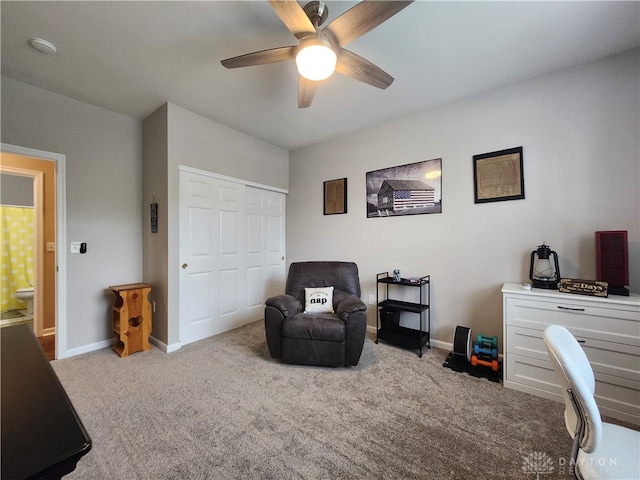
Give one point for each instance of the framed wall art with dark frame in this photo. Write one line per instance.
(335, 196)
(498, 176)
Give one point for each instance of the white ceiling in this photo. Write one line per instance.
(131, 57)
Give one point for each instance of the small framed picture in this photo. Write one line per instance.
(498, 176)
(335, 196)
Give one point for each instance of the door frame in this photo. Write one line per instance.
(61, 238)
(37, 178)
(206, 173)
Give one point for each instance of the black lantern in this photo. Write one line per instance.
(543, 272)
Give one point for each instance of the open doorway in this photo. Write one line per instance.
(19, 222)
(40, 276)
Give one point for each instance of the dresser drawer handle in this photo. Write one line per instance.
(572, 309)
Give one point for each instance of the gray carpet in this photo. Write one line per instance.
(221, 408)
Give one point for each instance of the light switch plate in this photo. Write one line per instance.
(75, 247)
(51, 246)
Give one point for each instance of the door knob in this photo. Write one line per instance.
(184, 266)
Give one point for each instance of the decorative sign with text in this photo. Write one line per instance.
(584, 287)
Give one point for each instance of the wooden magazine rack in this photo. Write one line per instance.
(131, 318)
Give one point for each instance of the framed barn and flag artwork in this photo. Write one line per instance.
(412, 189)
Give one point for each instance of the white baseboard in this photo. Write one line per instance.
(86, 349)
(48, 331)
(434, 343)
(163, 346)
(176, 346)
(108, 343)
(442, 345)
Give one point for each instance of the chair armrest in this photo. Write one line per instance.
(348, 306)
(288, 305)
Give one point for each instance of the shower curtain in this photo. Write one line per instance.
(17, 249)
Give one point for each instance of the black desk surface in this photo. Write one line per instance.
(42, 435)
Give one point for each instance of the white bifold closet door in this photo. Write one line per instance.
(232, 253)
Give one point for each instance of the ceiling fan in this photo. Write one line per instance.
(326, 43)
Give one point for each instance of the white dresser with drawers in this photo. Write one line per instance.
(608, 329)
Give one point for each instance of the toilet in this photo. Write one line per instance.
(26, 295)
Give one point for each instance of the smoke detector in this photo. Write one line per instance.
(42, 45)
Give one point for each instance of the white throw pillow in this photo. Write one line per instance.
(318, 300)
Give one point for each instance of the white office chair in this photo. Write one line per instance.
(600, 450)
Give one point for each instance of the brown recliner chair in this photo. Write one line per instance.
(322, 339)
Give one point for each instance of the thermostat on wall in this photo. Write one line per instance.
(78, 247)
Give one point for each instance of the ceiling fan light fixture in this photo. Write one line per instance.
(317, 52)
(316, 59)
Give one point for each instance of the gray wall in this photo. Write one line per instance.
(16, 190)
(103, 167)
(580, 132)
(154, 188)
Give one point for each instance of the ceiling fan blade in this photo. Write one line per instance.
(271, 55)
(362, 18)
(355, 66)
(294, 17)
(306, 90)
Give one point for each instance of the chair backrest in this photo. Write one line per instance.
(575, 373)
(341, 275)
